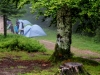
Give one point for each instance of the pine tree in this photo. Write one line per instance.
(8, 9)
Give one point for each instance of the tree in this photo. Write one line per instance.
(89, 16)
(62, 13)
(61, 10)
(7, 9)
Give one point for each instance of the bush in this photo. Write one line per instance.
(20, 43)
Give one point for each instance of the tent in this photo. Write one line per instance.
(25, 22)
(34, 30)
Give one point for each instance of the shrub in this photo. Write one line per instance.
(20, 43)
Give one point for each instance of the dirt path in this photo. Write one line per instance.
(77, 52)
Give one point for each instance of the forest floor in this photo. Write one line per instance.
(12, 66)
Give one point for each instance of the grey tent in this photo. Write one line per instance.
(25, 22)
(34, 30)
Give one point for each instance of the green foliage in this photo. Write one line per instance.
(20, 43)
(9, 9)
(88, 13)
(97, 36)
(89, 7)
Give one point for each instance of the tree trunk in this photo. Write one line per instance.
(64, 30)
(5, 26)
(72, 68)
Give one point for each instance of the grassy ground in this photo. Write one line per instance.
(85, 43)
(91, 66)
(81, 42)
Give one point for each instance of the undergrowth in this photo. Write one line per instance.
(20, 43)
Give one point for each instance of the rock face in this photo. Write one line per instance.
(73, 68)
(1, 25)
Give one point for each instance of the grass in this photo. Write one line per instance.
(93, 70)
(27, 56)
(85, 43)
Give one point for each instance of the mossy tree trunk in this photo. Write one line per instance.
(64, 31)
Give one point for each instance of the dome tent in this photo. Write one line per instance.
(34, 30)
(25, 22)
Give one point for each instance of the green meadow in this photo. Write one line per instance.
(40, 53)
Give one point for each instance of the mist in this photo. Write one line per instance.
(32, 18)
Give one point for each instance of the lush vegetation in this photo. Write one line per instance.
(91, 66)
(20, 43)
(88, 9)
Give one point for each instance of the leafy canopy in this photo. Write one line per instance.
(50, 7)
(89, 7)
